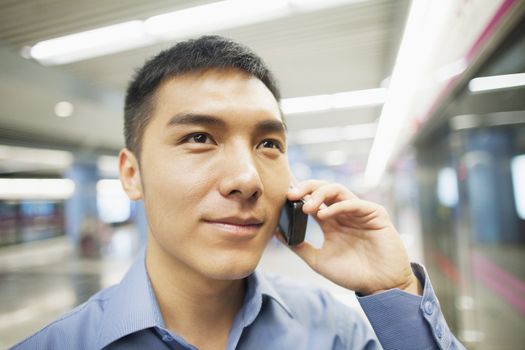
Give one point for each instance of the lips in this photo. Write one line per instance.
(236, 227)
(238, 221)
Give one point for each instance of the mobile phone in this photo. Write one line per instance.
(292, 222)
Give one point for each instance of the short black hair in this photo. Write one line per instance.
(206, 52)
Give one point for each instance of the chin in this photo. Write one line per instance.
(234, 268)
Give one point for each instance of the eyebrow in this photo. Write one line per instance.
(270, 126)
(265, 126)
(195, 119)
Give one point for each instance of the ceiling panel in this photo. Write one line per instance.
(344, 48)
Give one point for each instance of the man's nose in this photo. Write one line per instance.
(241, 177)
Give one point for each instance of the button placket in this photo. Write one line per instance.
(167, 338)
(439, 331)
(429, 307)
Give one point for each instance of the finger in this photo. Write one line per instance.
(301, 189)
(327, 194)
(356, 208)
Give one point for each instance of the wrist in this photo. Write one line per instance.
(411, 285)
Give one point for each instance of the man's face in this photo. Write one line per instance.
(214, 172)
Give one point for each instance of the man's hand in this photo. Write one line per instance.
(362, 250)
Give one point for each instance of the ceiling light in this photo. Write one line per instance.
(48, 189)
(333, 134)
(497, 82)
(35, 156)
(213, 17)
(359, 98)
(342, 100)
(108, 166)
(424, 26)
(306, 104)
(470, 121)
(359, 131)
(110, 186)
(465, 121)
(312, 5)
(385, 83)
(192, 21)
(64, 109)
(451, 70)
(335, 158)
(91, 43)
(317, 135)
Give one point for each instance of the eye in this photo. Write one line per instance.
(271, 144)
(198, 138)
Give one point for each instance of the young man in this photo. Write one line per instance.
(206, 152)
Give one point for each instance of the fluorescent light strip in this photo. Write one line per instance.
(11, 189)
(424, 24)
(465, 121)
(202, 19)
(110, 186)
(108, 166)
(451, 70)
(342, 100)
(35, 156)
(92, 43)
(334, 134)
(213, 17)
(335, 158)
(497, 82)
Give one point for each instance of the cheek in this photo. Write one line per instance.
(169, 193)
(276, 184)
(279, 177)
(172, 177)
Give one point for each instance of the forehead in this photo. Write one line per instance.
(216, 91)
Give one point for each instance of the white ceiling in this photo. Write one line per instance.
(344, 48)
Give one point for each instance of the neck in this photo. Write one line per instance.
(193, 306)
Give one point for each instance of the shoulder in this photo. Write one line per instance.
(75, 329)
(309, 302)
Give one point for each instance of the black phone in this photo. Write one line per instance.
(292, 222)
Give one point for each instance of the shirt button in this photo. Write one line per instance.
(167, 338)
(439, 331)
(429, 307)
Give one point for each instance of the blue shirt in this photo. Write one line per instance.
(277, 314)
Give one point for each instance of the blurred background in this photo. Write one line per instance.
(418, 105)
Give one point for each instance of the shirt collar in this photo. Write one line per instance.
(131, 306)
(258, 284)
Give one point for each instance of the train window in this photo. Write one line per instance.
(447, 187)
(518, 183)
(471, 199)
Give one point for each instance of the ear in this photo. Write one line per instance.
(129, 173)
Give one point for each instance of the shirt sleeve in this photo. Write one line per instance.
(403, 320)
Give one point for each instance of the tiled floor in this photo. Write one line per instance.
(33, 292)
